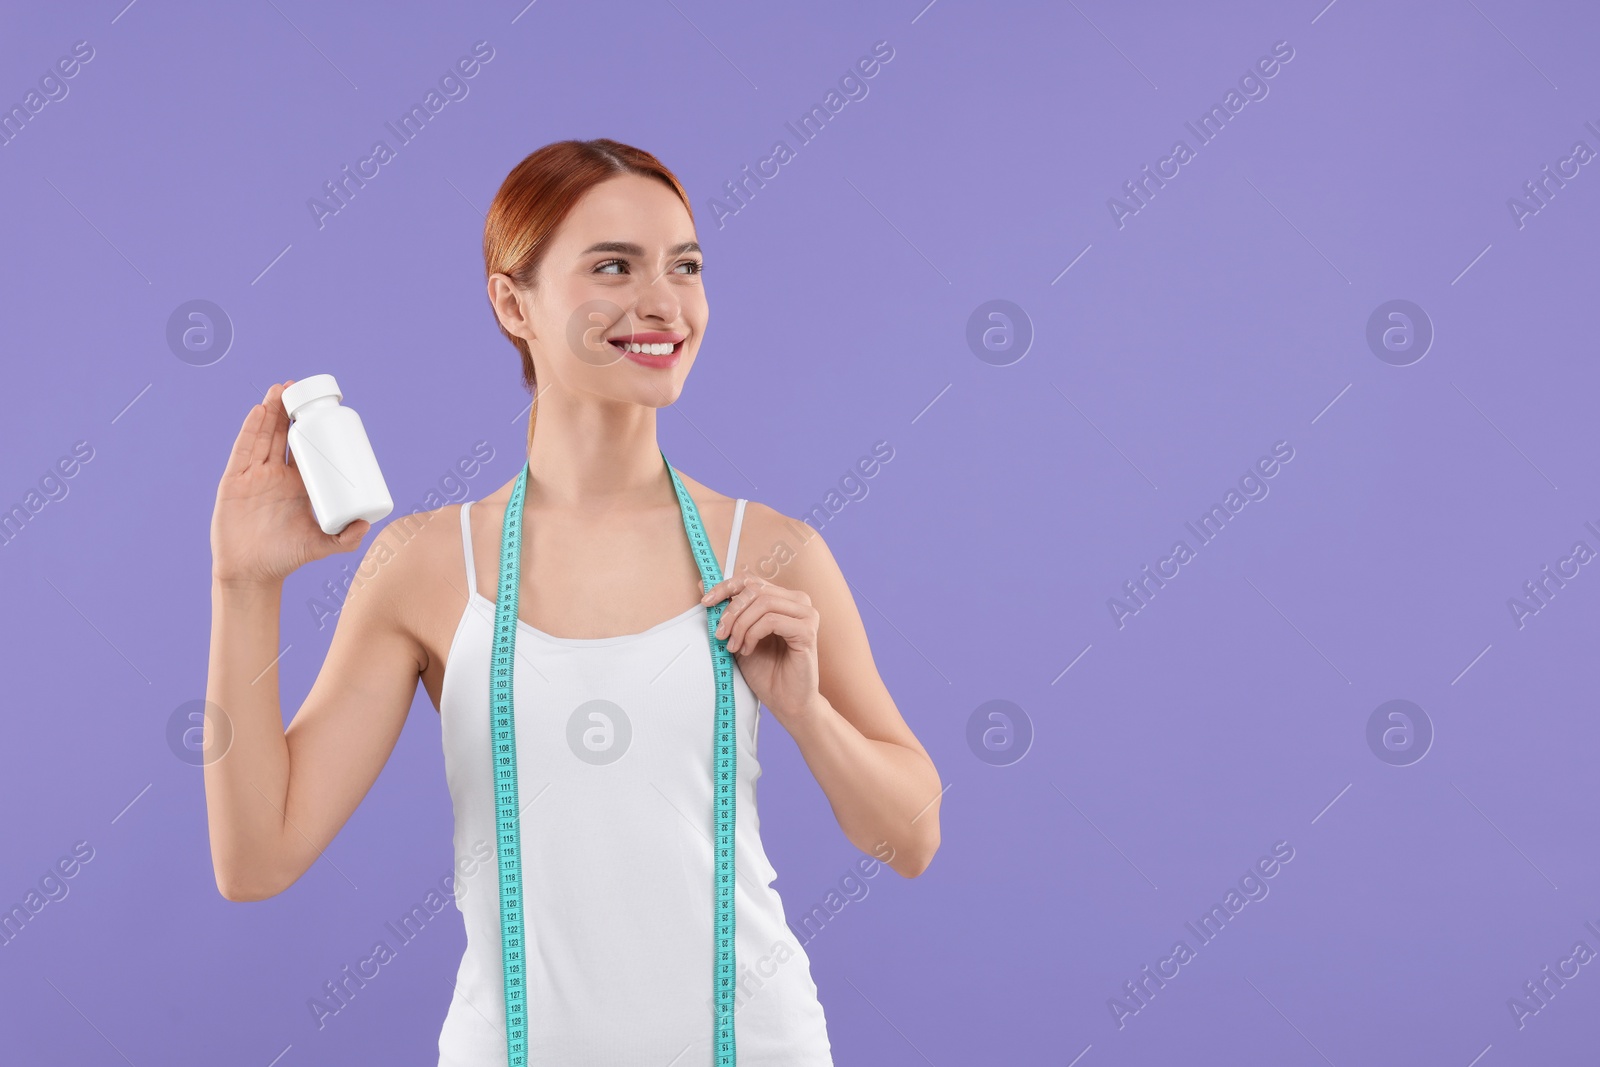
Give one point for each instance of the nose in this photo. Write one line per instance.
(657, 301)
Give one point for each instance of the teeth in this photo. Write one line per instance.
(648, 350)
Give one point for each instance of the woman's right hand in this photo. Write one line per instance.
(263, 527)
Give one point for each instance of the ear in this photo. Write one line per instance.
(506, 299)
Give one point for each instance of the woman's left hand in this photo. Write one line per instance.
(773, 631)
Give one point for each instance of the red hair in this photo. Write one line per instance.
(537, 196)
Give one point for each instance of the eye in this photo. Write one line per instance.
(697, 266)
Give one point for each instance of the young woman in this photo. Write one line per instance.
(595, 276)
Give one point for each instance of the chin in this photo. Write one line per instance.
(663, 395)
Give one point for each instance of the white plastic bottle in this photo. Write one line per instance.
(333, 455)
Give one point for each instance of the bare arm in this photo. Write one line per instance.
(276, 798)
(796, 607)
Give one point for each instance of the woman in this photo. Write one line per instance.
(595, 277)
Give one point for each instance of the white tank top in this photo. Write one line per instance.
(614, 776)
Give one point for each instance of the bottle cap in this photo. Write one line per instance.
(308, 389)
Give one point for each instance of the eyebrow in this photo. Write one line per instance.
(631, 249)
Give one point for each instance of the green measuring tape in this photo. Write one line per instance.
(508, 812)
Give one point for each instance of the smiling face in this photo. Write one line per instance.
(618, 308)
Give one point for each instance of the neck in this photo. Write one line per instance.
(592, 453)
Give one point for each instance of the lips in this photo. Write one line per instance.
(649, 359)
(649, 337)
(621, 345)
(645, 359)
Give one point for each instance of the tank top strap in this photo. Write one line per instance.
(733, 541)
(466, 549)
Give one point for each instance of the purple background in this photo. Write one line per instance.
(1228, 314)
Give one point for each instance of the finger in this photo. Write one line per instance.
(759, 613)
(730, 611)
(350, 537)
(752, 589)
(244, 445)
(758, 609)
(723, 590)
(262, 443)
(795, 630)
(280, 423)
(748, 586)
(749, 590)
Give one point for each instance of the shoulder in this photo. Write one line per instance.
(784, 549)
(405, 567)
(415, 540)
(400, 588)
(770, 542)
(789, 552)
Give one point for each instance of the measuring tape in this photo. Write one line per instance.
(508, 812)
